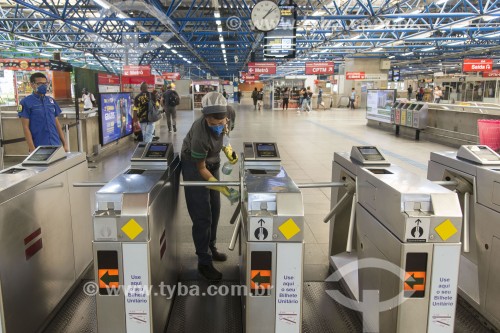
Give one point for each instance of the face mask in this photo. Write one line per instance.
(217, 129)
(42, 89)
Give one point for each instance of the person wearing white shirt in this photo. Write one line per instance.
(87, 99)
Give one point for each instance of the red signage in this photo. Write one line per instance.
(261, 68)
(108, 79)
(249, 77)
(355, 75)
(136, 70)
(477, 65)
(172, 76)
(493, 73)
(321, 68)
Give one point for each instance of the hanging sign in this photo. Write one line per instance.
(261, 68)
(477, 65)
(136, 70)
(319, 68)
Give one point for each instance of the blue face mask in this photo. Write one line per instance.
(217, 129)
(42, 89)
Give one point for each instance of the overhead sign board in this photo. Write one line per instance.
(261, 68)
(172, 76)
(108, 79)
(282, 41)
(355, 75)
(319, 68)
(136, 70)
(249, 77)
(493, 73)
(477, 65)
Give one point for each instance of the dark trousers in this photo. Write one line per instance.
(351, 103)
(204, 209)
(285, 103)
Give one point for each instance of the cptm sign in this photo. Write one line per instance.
(323, 68)
(477, 65)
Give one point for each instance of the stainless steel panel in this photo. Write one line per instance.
(493, 286)
(81, 219)
(31, 288)
(488, 188)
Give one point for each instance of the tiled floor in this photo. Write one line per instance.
(306, 142)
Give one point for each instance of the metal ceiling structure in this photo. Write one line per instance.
(216, 36)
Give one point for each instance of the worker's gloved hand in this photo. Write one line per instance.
(230, 193)
(230, 154)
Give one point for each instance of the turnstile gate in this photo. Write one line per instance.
(45, 238)
(407, 240)
(135, 251)
(476, 173)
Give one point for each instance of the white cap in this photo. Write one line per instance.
(213, 102)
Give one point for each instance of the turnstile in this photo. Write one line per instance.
(476, 173)
(272, 235)
(407, 236)
(135, 250)
(45, 243)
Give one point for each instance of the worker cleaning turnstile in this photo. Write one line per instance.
(135, 251)
(271, 224)
(475, 170)
(46, 234)
(406, 221)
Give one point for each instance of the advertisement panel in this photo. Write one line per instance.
(493, 73)
(379, 103)
(136, 70)
(115, 113)
(172, 76)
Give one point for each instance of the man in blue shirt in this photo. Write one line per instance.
(38, 115)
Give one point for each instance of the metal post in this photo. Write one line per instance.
(351, 225)
(235, 233)
(1, 142)
(79, 137)
(66, 128)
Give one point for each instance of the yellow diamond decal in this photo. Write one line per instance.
(132, 229)
(289, 229)
(446, 229)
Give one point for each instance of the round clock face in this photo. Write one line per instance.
(266, 15)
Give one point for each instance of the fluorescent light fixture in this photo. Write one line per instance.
(441, 2)
(180, 55)
(221, 39)
(88, 54)
(428, 49)
(167, 46)
(421, 35)
(24, 50)
(27, 38)
(489, 17)
(418, 11)
(456, 43)
(223, 46)
(174, 51)
(378, 49)
(493, 35)
(399, 19)
(378, 27)
(223, 51)
(219, 29)
(101, 3)
(216, 14)
(64, 58)
(219, 22)
(46, 54)
(54, 45)
(184, 59)
(407, 53)
(189, 62)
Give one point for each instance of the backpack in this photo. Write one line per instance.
(153, 112)
(173, 99)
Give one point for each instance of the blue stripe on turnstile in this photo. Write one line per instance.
(364, 143)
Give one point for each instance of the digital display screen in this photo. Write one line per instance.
(371, 154)
(157, 150)
(369, 151)
(42, 154)
(485, 154)
(266, 150)
(115, 115)
(282, 42)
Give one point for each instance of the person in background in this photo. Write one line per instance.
(286, 98)
(305, 101)
(260, 99)
(88, 100)
(438, 93)
(224, 93)
(170, 100)
(201, 162)
(352, 98)
(309, 97)
(301, 99)
(320, 98)
(410, 91)
(239, 96)
(141, 107)
(38, 114)
(255, 94)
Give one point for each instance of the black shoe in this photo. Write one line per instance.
(209, 272)
(218, 256)
(156, 138)
(175, 129)
(169, 130)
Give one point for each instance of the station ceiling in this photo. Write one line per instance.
(196, 37)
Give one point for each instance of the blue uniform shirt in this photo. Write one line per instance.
(41, 112)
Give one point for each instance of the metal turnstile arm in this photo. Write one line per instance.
(89, 184)
(339, 204)
(466, 222)
(352, 219)
(236, 213)
(319, 185)
(205, 183)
